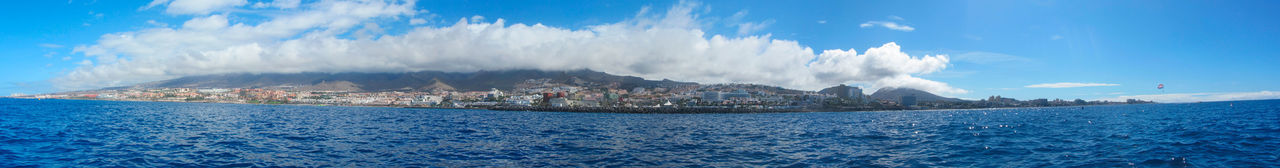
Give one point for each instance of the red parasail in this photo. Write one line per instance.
(1161, 86)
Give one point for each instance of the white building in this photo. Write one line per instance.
(712, 96)
(430, 100)
(637, 90)
(560, 102)
(741, 94)
(495, 93)
(212, 91)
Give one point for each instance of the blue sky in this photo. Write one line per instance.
(1201, 50)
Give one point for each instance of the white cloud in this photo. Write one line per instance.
(1069, 85)
(282, 4)
(50, 54)
(369, 31)
(885, 66)
(417, 21)
(48, 45)
(670, 45)
(195, 7)
(890, 25)
(211, 23)
(895, 17)
(1198, 97)
(822, 21)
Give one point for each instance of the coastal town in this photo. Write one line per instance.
(547, 95)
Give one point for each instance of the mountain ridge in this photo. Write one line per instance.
(450, 81)
(388, 81)
(894, 94)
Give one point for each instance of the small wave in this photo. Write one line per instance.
(1169, 162)
(144, 134)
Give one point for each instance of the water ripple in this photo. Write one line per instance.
(72, 133)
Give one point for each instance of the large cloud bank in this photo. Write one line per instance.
(343, 36)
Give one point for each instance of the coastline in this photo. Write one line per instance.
(222, 102)
(628, 110)
(622, 110)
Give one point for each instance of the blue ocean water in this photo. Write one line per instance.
(75, 133)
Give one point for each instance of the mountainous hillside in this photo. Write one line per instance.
(461, 81)
(426, 80)
(894, 94)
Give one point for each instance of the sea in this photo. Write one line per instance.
(89, 133)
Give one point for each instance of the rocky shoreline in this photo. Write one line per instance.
(642, 110)
(665, 110)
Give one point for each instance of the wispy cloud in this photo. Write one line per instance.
(417, 21)
(745, 27)
(95, 15)
(822, 21)
(737, 16)
(951, 74)
(48, 45)
(282, 4)
(200, 7)
(981, 57)
(157, 24)
(1069, 85)
(1055, 37)
(1197, 97)
(752, 27)
(887, 24)
(895, 17)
